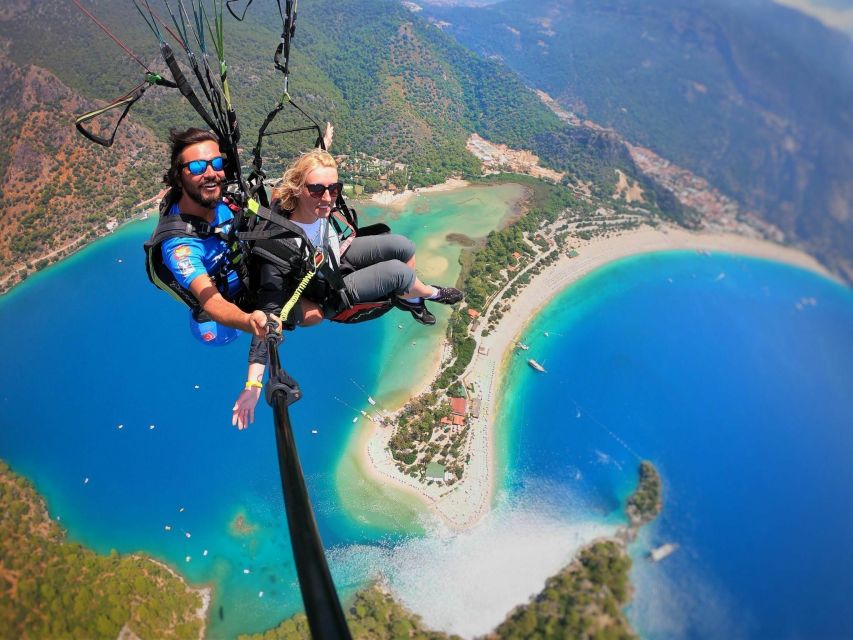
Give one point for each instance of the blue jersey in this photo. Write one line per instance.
(188, 258)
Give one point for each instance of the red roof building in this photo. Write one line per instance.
(458, 406)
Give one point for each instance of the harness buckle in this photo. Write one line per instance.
(318, 259)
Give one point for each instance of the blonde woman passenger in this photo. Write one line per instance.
(370, 268)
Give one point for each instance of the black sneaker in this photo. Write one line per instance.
(447, 295)
(417, 309)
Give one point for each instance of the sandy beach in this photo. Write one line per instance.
(465, 503)
(398, 200)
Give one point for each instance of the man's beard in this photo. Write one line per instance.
(194, 192)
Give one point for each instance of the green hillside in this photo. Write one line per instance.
(750, 95)
(396, 87)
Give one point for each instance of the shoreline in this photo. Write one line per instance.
(463, 504)
(396, 201)
(204, 591)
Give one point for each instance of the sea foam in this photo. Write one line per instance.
(466, 583)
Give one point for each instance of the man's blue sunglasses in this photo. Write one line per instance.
(198, 167)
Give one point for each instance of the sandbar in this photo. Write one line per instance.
(463, 504)
(397, 201)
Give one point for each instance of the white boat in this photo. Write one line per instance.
(522, 346)
(659, 553)
(354, 420)
(371, 400)
(314, 431)
(536, 365)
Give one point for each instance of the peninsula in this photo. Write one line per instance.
(440, 445)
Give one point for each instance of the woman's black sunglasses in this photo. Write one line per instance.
(317, 190)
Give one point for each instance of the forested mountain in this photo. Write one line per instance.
(396, 87)
(753, 96)
(58, 192)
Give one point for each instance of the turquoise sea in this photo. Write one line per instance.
(732, 375)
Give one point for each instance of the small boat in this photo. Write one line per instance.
(354, 420)
(364, 413)
(187, 559)
(371, 400)
(314, 431)
(181, 510)
(167, 528)
(399, 326)
(522, 346)
(197, 387)
(536, 365)
(151, 427)
(659, 553)
(545, 333)
(121, 426)
(260, 594)
(188, 534)
(245, 571)
(86, 481)
(204, 553)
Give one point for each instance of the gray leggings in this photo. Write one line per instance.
(380, 268)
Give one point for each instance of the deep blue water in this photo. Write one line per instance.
(743, 402)
(89, 345)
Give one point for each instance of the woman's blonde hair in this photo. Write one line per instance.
(293, 180)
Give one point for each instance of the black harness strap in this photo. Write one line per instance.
(185, 88)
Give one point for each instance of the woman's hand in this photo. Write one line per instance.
(328, 135)
(243, 412)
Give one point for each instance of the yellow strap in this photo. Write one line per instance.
(319, 258)
(253, 384)
(295, 297)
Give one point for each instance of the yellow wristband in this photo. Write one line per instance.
(253, 384)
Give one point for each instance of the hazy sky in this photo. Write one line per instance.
(837, 14)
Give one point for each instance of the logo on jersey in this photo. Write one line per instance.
(181, 252)
(185, 267)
